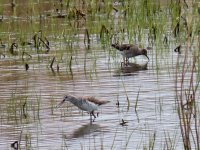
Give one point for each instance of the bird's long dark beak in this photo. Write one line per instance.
(147, 57)
(60, 104)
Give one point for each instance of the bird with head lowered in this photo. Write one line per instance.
(85, 103)
(130, 50)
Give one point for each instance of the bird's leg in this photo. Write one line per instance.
(124, 61)
(91, 119)
(93, 114)
(127, 62)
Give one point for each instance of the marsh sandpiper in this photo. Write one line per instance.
(85, 103)
(130, 50)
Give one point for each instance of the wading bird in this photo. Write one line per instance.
(85, 103)
(130, 50)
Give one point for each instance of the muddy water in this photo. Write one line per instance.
(43, 126)
(28, 99)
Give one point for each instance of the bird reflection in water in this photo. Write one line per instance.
(131, 68)
(84, 130)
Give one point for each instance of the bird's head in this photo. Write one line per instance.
(144, 52)
(115, 45)
(67, 97)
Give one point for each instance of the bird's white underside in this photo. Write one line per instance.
(89, 106)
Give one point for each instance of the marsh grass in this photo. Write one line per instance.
(187, 105)
(112, 146)
(136, 102)
(170, 141)
(17, 108)
(27, 139)
(149, 145)
(53, 104)
(129, 137)
(127, 98)
(20, 109)
(186, 90)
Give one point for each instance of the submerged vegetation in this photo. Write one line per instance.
(64, 40)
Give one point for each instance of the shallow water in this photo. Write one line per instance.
(28, 98)
(70, 128)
